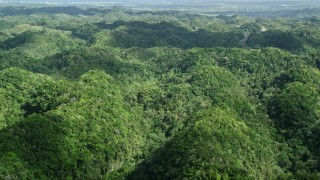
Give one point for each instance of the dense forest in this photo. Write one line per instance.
(113, 93)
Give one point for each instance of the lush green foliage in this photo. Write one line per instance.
(119, 94)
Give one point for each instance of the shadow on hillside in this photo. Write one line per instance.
(163, 163)
(17, 41)
(36, 147)
(75, 63)
(279, 39)
(146, 35)
(179, 158)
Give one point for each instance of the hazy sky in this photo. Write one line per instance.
(159, 1)
(146, 0)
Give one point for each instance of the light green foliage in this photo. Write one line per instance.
(40, 44)
(219, 84)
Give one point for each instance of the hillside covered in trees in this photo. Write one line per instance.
(98, 93)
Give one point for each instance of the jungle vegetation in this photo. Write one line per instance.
(114, 93)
